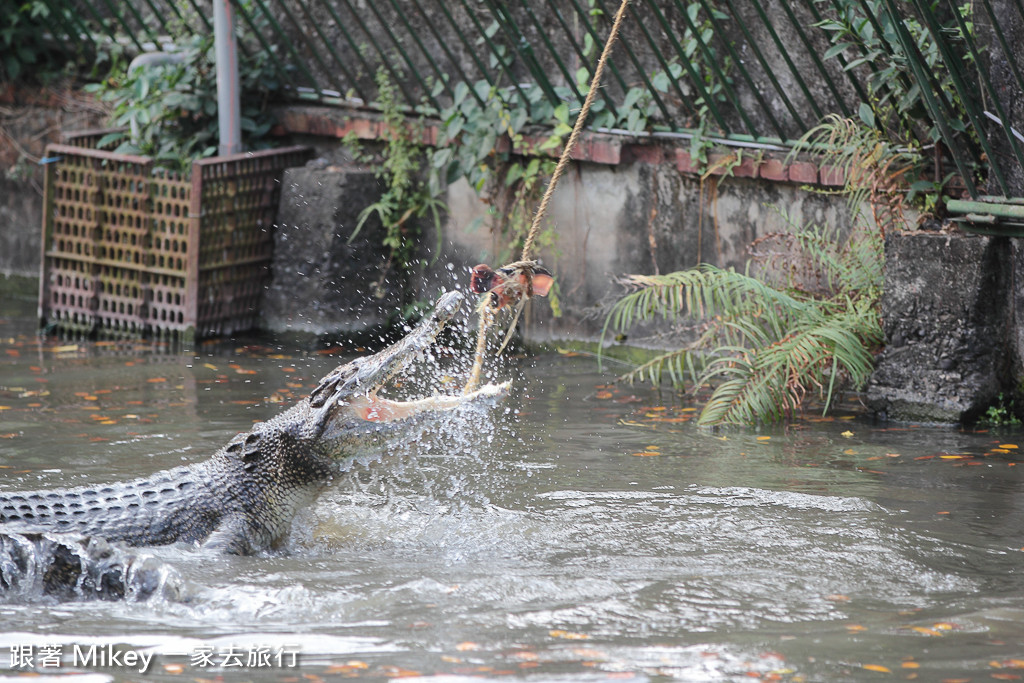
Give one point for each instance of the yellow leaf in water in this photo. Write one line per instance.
(65, 349)
(878, 667)
(926, 631)
(604, 394)
(568, 635)
(910, 665)
(763, 438)
(847, 434)
(467, 646)
(1007, 445)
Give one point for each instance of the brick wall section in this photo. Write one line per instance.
(594, 147)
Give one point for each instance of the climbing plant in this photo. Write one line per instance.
(866, 31)
(407, 195)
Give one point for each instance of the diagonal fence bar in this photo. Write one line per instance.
(733, 70)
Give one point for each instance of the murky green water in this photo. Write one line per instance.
(587, 532)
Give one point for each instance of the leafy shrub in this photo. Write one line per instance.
(169, 111)
(29, 52)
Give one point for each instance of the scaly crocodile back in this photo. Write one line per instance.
(166, 507)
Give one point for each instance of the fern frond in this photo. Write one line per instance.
(704, 292)
(679, 363)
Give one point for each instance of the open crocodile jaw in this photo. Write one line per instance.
(350, 391)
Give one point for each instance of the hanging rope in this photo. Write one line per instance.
(526, 263)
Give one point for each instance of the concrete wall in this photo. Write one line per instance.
(627, 206)
(636, 217)
(28, 121)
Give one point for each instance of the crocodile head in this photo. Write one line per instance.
(345, 406)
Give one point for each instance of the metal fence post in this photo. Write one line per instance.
(228, 105)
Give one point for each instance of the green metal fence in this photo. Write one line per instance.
(940, 72)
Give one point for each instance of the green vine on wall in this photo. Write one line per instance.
(407, 196)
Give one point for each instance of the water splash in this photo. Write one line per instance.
(48, 566)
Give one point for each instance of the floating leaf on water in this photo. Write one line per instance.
(878, 667)
(924, 630)
(847, 434)
(64, 349)
(1008, 445)
(399, 672)
(764, 438)
(568, 635)
(604, 394)
(910, 665)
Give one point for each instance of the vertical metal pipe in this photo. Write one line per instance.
(228, 106)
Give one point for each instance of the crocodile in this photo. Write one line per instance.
(242, 500)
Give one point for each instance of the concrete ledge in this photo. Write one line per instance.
(946, 318)
(606, 148)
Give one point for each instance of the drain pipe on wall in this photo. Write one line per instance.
(228, 104)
